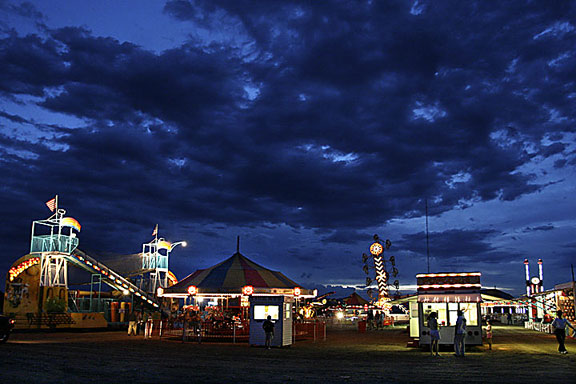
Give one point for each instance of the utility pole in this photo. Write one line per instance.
(573, 289)
(428, 239)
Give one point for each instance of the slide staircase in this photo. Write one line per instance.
(84, 261)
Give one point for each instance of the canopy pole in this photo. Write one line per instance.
(237, 244)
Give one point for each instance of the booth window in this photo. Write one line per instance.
(440, 308)
(453, 311)
(470, 313)
(261, 312)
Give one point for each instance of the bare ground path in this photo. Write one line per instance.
(346, 357)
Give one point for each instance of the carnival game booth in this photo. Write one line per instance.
(542, 306)
(218, 298)
(497, 306)
(446, 293)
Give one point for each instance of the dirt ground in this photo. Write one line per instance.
(345, 357)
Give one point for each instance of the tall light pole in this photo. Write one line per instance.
(182, 243)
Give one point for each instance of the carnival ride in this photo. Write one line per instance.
(382, 274)
(54, 247)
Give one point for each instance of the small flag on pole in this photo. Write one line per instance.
(155, 231)
(51, 204)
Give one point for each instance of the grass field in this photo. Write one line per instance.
(518, 356)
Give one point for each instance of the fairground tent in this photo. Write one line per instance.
(355, 300)
(228, 278)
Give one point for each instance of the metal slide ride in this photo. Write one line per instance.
(115, 280)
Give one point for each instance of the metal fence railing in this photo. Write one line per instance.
(224, 331)
(309, 330)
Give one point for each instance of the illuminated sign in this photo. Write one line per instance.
(15, 271)
(376, 249)
(248, 290)
(297, 291)
(448, 274)
(448, 280)
(438, 286)
(192, 290)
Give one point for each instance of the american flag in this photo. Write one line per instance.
(155, 231)
(51, 204)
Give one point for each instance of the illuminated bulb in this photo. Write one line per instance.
(339, 315)
(126, 292)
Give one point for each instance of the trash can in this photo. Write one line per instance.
(362, 326)
(114, 312)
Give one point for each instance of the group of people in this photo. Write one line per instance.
(375, 320)
(138, 320)
(459, 334)
(559, 324)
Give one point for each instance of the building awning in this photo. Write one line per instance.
(449, 298)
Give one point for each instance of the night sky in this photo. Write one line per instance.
(305, 127)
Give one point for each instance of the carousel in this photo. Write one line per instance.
(222, 301)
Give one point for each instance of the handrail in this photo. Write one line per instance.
(111, 277)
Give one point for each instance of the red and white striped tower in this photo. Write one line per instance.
(541, 274)
(527, 277)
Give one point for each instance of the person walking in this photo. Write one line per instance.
(489, 334)
(459, 335)
(434, 333)
(560, 325)
(268, 327)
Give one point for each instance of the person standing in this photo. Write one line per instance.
(139, 322)
(434, 333)
(132, 321)
(370, 319)
(460, 334)
(560, 325)
(509, 318)
(489, 334)
(378, 319)
(268, 327)
(149, 324)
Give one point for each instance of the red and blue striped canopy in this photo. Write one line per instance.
(231, 275)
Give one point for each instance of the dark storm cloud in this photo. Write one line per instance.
(330, 115)
(13, 118)
(456, 246)
(570, 245)
(24, 9)
(548, 227)
(346, 236)
(29, 65)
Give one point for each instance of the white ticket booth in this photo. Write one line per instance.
(446, 294)
(279, 308)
